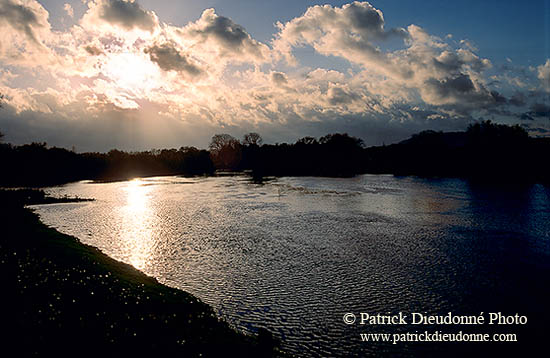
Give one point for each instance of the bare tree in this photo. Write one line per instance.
(225, 151)
(252, 139)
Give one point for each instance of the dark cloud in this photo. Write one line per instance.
(448, 62)
(477, 64)
(337, 95)
(518, 100)
(451, 86)
(230, 40)
(168, 58)
(453, 62)
(228, 32)
(526, 117)
(230, 36)
(126, 14)
(461, 95)
(279, 78)
(498, 98)
(540, 110)
(369, 22)
(20, 17)
(93, 50)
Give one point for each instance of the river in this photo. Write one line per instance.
(295, 254)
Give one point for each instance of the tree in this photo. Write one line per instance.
(225, 151)
(252, 138)
(341, 140)
(307, 141)
(488, 132)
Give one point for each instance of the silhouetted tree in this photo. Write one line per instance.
(225, 151)
(341, 140)
(485, 150)
(496, 149)
(307, 141)
(252, 139)
(342, 154)
(251, 153)
(487, 133)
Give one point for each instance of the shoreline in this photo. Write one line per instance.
(65, 298)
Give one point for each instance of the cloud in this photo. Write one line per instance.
(93, 50)
(348, 32)
(125, 14)
(425, 65)
(543, 74)
(25, 17)
(216, 34)
(169, 58)
(119, 65)
(279, 78)
(68, 9)
(450, 86)
(540, 110)
(25, 33)
(518, 99)
(526, 117)
(339, 95)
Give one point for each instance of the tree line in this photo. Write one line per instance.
(486, 150)
(38, 165)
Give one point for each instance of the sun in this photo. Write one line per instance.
(132, 72)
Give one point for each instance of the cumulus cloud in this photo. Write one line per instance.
(339, 95)
(349, 31)
(427, 65)
(120, 65)
(169, 58)
(450, 87)
(543, 74)
(26, 34)
(28, 18)
(125, 14)
(223, 37)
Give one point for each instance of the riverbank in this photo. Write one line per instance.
(64, 298)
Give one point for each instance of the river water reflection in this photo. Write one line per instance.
(294, 254)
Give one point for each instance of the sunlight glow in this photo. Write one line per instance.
(132, 72)
(138, 224)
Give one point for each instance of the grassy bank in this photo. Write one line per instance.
(64, 298)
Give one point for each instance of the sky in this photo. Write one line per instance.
(136, 75)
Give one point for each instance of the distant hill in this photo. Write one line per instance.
(485, 151)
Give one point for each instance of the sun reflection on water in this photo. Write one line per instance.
(138, 224)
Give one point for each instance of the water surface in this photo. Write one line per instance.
(294, 254)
